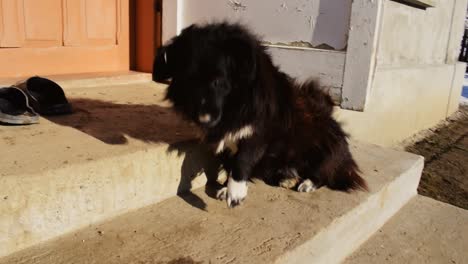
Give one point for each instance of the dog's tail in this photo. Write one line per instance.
(318, 100)
(347, 178)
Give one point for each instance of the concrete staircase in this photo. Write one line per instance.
(100, 186)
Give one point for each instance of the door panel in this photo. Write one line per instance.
(12, 30)
(87, 36)
(72, 30)
(31, 23)
(90, 22)
(1, 23)
(42, 22)
(101, 18)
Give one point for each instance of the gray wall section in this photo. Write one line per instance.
(412, 36)
(279, 21)
(417, 83)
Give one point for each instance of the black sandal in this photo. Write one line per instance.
(46, 96)
(15, 108)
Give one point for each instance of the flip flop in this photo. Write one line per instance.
(15, 108)
(46, 96)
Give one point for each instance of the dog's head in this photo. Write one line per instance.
(209, 67)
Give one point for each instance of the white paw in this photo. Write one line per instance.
(221, 194)
(236, 192)
(306, 186)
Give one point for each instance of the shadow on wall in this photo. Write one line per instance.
(331, 13)
(112, 123)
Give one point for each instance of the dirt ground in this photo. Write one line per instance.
(445, 149)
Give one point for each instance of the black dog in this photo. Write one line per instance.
(259, 121)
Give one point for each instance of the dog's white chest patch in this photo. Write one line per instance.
(231, 139)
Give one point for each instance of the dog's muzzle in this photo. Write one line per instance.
(208, 120)
(204, 118)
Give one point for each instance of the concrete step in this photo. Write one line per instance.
(424, 231)
(111, 157)
(122, 149)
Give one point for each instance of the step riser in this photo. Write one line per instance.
(89, 80)
(357, 226)
(105, 81)
(43, 206)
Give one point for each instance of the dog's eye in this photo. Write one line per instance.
(220, 85)
(216, 82)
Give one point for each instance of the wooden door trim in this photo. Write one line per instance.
(146, 33)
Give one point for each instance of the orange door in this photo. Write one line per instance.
(63, 36)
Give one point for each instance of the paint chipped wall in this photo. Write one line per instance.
(310, 23)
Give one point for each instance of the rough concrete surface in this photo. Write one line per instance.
(108, 120)
(271, 223)
(445, 148)
(122, 149)
(424, 231)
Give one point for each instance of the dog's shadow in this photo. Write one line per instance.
(114, 123)
(197, 159)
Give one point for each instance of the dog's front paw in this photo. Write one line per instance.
(221, 194)
(236, 192)
(306, 186)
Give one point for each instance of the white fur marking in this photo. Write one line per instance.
(205, 118)
(236, 192)
(221, 194)
(306, 186)
(220, 147)
(292, 172)
(230, 139)
(165, 57)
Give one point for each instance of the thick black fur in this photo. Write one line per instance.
(223, 70)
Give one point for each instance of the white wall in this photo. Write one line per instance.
(416, 82)
(277, 21)
(403, 101)
(323, 65)
(314, 21)
(412, 36)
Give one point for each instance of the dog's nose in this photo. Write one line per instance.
(204, 118)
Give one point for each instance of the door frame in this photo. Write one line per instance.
(145, 33)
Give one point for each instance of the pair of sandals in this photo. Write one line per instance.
(22, 104)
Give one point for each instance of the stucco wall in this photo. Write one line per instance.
(403, 101)
(417, 82)
(411, 36)
(285, 21)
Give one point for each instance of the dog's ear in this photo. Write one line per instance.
(242, 58)
(168, 57)
(162, 69)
